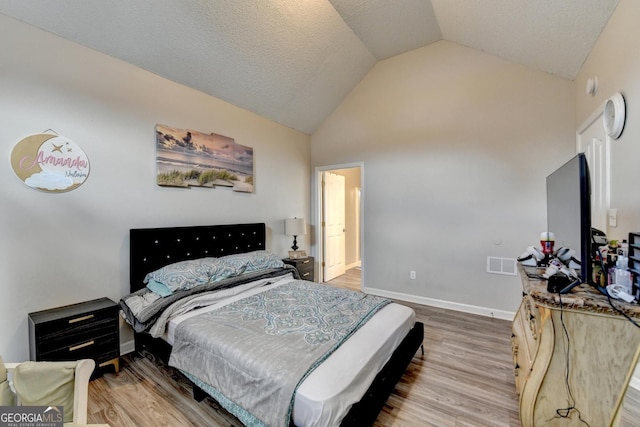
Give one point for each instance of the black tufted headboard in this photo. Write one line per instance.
(152, 248)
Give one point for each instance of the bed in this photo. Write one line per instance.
(347, 386)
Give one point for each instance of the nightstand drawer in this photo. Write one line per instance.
(72, 337)
(56, 329)
(304, 266)
(100, 349)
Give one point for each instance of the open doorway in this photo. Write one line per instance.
(338, 213)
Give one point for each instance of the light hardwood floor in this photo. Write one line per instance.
(464, 379)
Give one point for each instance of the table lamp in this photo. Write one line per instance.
(294, 227)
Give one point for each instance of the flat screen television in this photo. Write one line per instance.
(569, 214)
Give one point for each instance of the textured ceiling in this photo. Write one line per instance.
(294, 61)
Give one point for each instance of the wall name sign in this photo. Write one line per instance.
(50, 163)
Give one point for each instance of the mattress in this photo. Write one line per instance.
(327, 394)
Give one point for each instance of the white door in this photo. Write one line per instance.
(334, 225)
(594, 143)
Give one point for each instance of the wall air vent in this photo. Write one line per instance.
(496, 265)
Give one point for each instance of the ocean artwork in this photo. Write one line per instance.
(187, 158)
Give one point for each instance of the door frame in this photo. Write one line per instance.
(316, 214)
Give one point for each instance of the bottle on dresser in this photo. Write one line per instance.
(621, 275)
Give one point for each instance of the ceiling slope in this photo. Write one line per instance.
(294, 61)
(548, 35)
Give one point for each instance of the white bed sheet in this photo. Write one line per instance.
(327, 394)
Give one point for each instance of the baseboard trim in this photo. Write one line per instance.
(352, 265)
(127, 347)
(432, 302)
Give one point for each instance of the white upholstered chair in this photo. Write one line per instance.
(32, 382)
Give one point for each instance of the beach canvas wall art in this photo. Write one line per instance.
(187, 158)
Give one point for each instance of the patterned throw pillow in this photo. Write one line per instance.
(187, 274)
(253, 261)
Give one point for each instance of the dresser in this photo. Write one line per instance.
(88, 330)
(577, 336)
(304, 267)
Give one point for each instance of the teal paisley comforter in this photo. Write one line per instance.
(252, 355)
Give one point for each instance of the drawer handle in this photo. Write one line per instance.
(306, 261)
(306, 274)
(79, 346)
(80, 319)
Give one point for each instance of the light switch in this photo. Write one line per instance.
(613, 217)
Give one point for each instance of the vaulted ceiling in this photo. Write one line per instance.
(294, 61)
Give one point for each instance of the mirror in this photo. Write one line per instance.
(627, 413)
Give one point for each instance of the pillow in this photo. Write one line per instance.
(253, 261)
(46, 384)
(159, 288)
(7, 398)
(221, 270)
(180, 275)
(187, 274)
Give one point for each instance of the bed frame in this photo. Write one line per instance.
(152, 248)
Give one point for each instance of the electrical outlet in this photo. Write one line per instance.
(412, 275)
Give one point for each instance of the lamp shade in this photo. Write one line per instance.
(294, 227)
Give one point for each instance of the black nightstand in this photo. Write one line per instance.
(303, 265)
(88, 330)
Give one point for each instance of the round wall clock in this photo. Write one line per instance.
(614, 115)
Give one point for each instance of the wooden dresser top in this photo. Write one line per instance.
(582, 298)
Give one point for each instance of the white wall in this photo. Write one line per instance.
(456, 146)
(616, 62)
(58, 249)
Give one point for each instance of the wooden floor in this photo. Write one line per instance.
(631, 408)
(464, 379)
